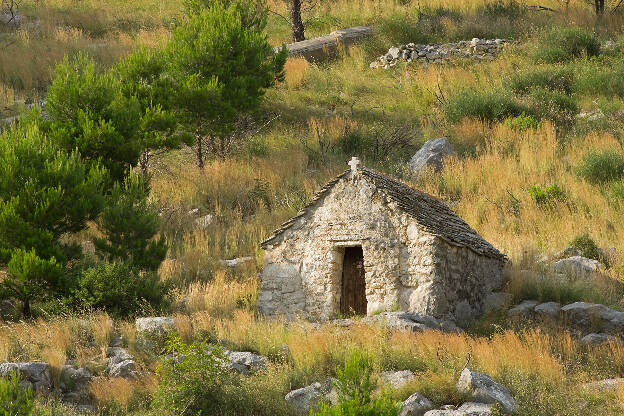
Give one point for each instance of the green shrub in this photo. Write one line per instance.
(565, 44)
(118, 288)
(545, 197)
(523, 122)
(551, 78)
(354, 391)
(601, 80)
(602, 166)
(511, 9)
(554, 105)
(489, 106)
(14, 399)
(586, 246)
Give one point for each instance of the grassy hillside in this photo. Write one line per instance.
(529, 176)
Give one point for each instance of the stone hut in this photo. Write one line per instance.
(368, 243)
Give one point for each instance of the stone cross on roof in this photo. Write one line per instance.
(354, 163)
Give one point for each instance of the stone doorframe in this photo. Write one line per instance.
(335, 274)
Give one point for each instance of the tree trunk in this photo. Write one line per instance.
(200, 152)
(144, 162)
(26, 308)
(295, 21)
(599, 6)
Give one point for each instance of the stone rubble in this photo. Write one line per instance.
(477, 49)
(120, 363)
(34, 374)
(484, 389)
(237, 262)
(160, 325)
(578, 265)
(396, 379)
(73, 384)
(412, 322)
(246, 363)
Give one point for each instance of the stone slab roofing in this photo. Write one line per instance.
(430, 212)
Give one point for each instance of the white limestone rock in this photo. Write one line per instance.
(246, 363)
(125, 369)
(577, 265)
(432, 153)
(484, 389)
(237, 262)
(415, 405)
(160, 325)
(548, 311)
(306, 398)
(396, 379)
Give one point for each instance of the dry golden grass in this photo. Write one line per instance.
(109, 390)
(296, 69)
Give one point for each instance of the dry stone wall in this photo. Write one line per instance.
(477, 49)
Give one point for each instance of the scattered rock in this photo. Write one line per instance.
(578, 265)
(73, 384)
(246, 363)
(319, 48)
(308, 397)
(475, 409)
(415, 405)
(592, 317)
(604, 386)
(484, 389)
(411, 322)
(35, 374)
(160, 325)
(238, 262)
(609, 45)
(193, 212)
(595, 340)
(396, 379)
(432, 153)
(115, 355)
(205, 221)
(522, 310)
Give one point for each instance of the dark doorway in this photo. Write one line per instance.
(353, 296)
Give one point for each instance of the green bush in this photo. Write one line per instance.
(551, 78)
(118, 288)
(565, 44)
(601, 80)
(489, 106)
(523, 122)
(602, 166)
(545, 197)
(354, 391)
(14, 399)
(511, 9)
(586, 246)
(554, 105)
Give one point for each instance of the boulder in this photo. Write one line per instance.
(577, 265)
(73, 384)
(595, 340)
(160, 325)
(124, 369)
(432, 153)
(475, 409)
(396, 379)
(593, 318)
(548, 311)
(246, 363)
(308, 397)
(34, 374)
(484, 389)
(523, 310)
(415, 405)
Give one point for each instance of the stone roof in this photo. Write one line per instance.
(430, 212)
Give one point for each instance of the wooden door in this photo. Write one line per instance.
(353, 296)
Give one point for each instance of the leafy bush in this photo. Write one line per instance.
(489, 106)
(510, 8)
(554, 105)
(118, 288)
(587, 246)
(601, 80)
(551, 78)
(602, 166)
(545, 197)
(14, 399)
(523, 122)
(354, 391)
(565, 44)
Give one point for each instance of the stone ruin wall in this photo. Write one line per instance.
(406, 266)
